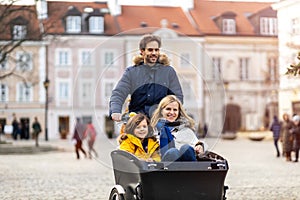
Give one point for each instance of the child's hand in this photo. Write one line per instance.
(149, 160)
(199, 149)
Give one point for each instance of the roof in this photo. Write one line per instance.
(19, 15)
(58, 10)
(146, 19)
(205, 11)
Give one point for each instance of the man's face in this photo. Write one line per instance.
(151, 53)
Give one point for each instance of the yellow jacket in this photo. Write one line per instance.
(133, 145)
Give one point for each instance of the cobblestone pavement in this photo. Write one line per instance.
(254, 172)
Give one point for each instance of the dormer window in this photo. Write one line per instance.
(228, 26)
(73, 24)
(19, 32)
(96, 24)
(268, 26)
(226, 22)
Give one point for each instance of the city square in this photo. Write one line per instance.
(254, 172)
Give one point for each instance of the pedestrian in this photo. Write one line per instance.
(77, 138)
(147, 82)
(36, 126)
(178, 141)
(90, 134)
(287, 136)
(16, 128)
(275, 128)
(296, 136)
(139, 140)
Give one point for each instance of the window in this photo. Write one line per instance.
(85, 57)
(216, 68)
(273, 71)
(63, 91)
(73, 24)
(109, 58)
(295, 26)
(24, 61)
(228, 26)
(19, 32)
(96, 24)
(244, 67)
(24, 93)
(86, 92)
(109, 86)
(63, 57)
(268, 26)
(187, 90)
(185, 59)
(3, 92)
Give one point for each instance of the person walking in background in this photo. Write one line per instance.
(36, 126)
(78, 136)
(16, 127)
(287, 136)
(276, 128)
(147, 82)
(296, 136)
(90, 134)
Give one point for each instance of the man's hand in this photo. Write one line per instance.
(116, 117)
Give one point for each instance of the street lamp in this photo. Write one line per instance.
(46, 86)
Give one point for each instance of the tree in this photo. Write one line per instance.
(294, 69)
(19, 23)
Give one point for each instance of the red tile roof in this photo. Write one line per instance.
(57, 10)
(25, 14)
(132, 18)
(205, 10)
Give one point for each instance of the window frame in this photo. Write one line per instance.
(20, 63)
(216, 68)
(244, 68)
(73, 24)
(19, 31)
(268, 26)
(3, 92)
(22, 89)
(96, 24)
(228, 26)
(63, 60)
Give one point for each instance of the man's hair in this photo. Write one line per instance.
(149, 38)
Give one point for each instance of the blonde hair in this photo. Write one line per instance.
(166, 101)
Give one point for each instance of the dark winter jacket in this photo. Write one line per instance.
(275, 128)
(147, 86)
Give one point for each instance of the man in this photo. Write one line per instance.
(147, 82)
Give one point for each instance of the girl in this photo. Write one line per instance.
(139, 140)
(176, 131)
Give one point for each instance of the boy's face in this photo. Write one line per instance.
(151, 53)
(141, 131)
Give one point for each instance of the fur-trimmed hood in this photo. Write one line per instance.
(163, 59)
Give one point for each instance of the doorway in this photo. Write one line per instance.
(63, 126)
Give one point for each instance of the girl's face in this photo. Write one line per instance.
(141, 131)
(171, 111)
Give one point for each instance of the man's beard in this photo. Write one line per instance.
(151, 59)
